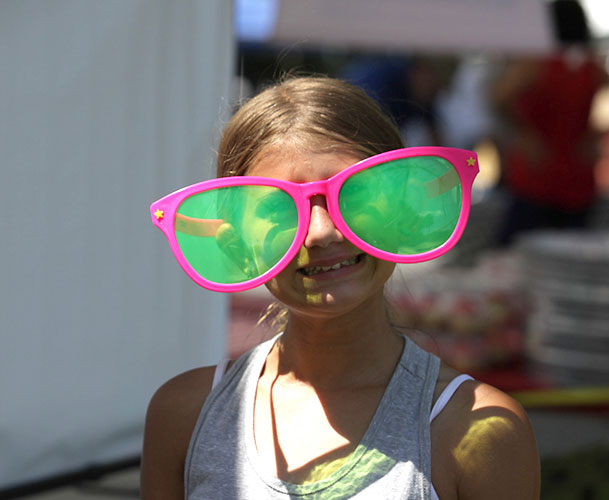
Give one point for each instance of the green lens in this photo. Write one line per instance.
(406, 206)
(234, 234)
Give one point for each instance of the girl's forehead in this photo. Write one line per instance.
(299, 166)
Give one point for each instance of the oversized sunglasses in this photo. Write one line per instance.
(234, 233)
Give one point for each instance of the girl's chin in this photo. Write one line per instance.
(332, 290)
(328, 301)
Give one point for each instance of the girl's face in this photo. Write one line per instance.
(329, 275)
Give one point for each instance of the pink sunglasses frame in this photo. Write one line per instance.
(164, 210)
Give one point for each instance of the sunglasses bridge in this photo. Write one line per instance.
(314, 188)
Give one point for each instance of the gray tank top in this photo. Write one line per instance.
(392, 461)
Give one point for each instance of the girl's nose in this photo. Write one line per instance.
(322, 231)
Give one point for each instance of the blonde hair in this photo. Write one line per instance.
(316, 113)
(310, 113)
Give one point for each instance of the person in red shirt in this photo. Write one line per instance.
(550, 155)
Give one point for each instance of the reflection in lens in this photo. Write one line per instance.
(407, 206)
(234, 234)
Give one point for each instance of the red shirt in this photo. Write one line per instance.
(556, 107)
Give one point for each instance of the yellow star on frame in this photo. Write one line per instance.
(159, 214)
(471, 161)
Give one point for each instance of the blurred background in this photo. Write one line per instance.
(107, 106)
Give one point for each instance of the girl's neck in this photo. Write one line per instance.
(355, 349)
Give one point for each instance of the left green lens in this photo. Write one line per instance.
(406, 206)
(237, 233)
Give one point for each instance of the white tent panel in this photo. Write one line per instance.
(445, 25)
(106, 106)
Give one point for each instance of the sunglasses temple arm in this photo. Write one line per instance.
(197, 227)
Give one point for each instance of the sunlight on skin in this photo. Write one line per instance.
(314, 299)
(480, 439)
(302, 260)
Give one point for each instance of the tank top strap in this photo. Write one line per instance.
(448, 393)
(219, 372)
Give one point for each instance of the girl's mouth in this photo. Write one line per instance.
(313, 270)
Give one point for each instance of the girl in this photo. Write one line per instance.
(340, 404)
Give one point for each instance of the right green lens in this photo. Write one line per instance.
(406, 206)
(237, 233)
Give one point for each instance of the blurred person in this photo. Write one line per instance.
(317, 199)
(406, 88)
(420, 128)
(463, 108)
(551, 150)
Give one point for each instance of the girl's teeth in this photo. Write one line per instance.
(309, 271)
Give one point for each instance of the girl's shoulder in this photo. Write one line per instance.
(177, 403)
(485, 442)
(170, 419)
(182, 395)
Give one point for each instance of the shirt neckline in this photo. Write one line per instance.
(311, 487)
